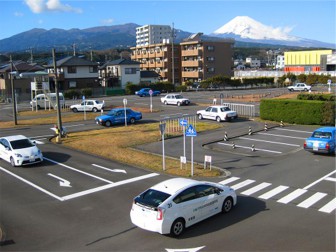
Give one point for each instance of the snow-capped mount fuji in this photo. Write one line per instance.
(246, 29)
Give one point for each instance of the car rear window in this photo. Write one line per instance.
(152, 198)
(320, 134)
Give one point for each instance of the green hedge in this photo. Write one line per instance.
(316, 97)
(298, 111)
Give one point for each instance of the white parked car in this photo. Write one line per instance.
(88, 105)
(299, 87)
(175, 204)
(19, 150)
(218, 113)
(175, 99)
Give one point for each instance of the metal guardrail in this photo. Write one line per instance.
(173, 122)
(242, 109)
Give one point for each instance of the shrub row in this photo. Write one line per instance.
(77, 94)
(316, 97)
(298, 111)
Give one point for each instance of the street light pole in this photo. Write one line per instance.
(59, 119)
(13, 92)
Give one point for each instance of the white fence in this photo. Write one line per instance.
(173, 122)
(244, 110)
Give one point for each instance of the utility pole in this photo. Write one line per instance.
(173, 61)
(74, 49)
(13, 91)
(59, 119)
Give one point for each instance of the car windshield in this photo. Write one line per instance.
(152, 198)
(112, 113)
(178, 96)
(223, 109)
(21, 144)
(320, 134)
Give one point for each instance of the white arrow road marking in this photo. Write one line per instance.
(63, 182)
(111, 170)
(185, 250)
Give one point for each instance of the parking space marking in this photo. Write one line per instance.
(302, 131)
(107, 169)
(328, 208)
(312, 200)
(229, 180)
(242, 184)
(331, 179)
(247, 147)
(273, 192)
(256, 188)
(319, 180)
(32, 184)
(259, 140)
(268, 134)
(293, 195)
(79, 171)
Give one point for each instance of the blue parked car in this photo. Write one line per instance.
(145, 92)
(117, 116)
(321, 141)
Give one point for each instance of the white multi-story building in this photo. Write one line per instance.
(153, 34)
(253, 62)
(280, 62)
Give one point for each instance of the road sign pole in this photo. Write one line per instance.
(192, 156)
(184, 142)
(125, 103)
(162, 130)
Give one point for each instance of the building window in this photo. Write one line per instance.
(211, 48)
(72, 69)
(93, 69)
(72, 84)
(130, 70)
(210, 69)
(210, 58)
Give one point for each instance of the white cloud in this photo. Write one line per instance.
(108, 21)
(39, 6)
(18, 14)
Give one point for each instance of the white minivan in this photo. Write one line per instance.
(42, 100)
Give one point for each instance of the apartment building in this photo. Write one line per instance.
(158, 58)
(153, 34)
(202, 58)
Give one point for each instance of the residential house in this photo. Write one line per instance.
(74, 73)
(117, 73)
(148, 77)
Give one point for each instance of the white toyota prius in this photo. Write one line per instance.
(175, 204)
(19, 150)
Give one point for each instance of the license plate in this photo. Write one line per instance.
(315, 146)
(32, 159)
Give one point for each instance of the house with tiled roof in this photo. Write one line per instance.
(117, 73)
(74, 73)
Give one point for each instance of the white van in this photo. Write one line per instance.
(42, 101)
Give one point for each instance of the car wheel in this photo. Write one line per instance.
(94, 110)
(165, 102)
(179, 104)
(132, 120)
(227, 205)
(74, 110)
(305, 89)
(177, 228)
(12, 161)
(38, 107)
(218, 119)
(108, 123)
(200, 116)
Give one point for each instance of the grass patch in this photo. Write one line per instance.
(117, 143)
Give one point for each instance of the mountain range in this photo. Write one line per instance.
(246, 31)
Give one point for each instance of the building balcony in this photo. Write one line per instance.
(191, 52)
(192, 74)
(192, 63)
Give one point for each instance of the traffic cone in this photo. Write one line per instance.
(226, 137)
(233, 145)
(265, 128)
(250, 130)
(281, 124)
(252, 148)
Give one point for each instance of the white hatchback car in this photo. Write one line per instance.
(19, 150)
(88, 105)
(175, 204)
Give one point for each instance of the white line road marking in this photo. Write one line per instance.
(268, 134)
(273, 192)
(242, 184)
(319, 180)
(328, 208)
(302, 131)
(111, 170)
(257, 149)
(256, 188)
(141, 103)
(104, 187)
(185, 249)
(74, 125)
(293, 195)
(312, 200)
(331, 179)
(85, 173)
(62, 181)
(38, 142)
(259, 140)
(229, 180)
(33, 185)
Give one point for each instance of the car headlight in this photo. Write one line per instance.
(18, 155)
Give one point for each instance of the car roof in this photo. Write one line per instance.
(15, 137)
(171, 186)
(218, 106)
(326, 129)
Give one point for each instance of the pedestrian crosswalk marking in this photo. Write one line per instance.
(229, 180)
(312, 200)
(292, 196)
(273, 192)
(328, 208)
(242, 184)
(256, 188)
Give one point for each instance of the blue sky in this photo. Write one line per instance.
(311, 19)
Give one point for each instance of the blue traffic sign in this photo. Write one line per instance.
(183, 122)
(191, 131)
